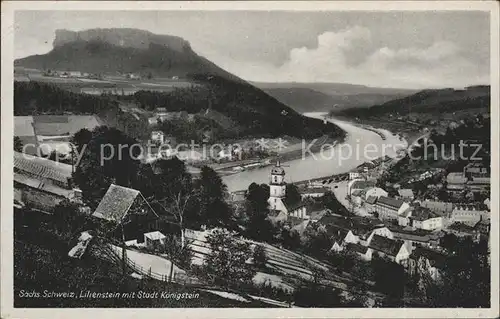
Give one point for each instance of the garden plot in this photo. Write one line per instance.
(280, 261)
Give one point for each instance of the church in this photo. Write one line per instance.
(281, 208)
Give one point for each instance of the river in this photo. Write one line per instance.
(362, 144)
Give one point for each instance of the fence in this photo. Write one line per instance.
(177, 277)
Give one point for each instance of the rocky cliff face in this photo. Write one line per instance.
(131, 38)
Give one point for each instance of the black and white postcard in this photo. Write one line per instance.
(303, 159)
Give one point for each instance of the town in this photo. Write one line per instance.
(147, 176)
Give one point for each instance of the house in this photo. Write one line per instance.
(44, 170)
(354, 175)
(128, 208)
(474, 168)
(416, 237)
(189, 156)
(442, 208)
(338, 237)
(389, 208)
(38, 194)
(483, 226)
(469, 214)
(225, 154)
(277, 196)
(456, 181)
(404, 218)
(376, 192)
(369, 203)
(363, 252)
(424, 218)
(154, 239)
(357, 230)
(395, 250)
(427, 262)
(237, 196)
(357, 197)
(157, 137)
(463, 230)
(480, 180)
(487, 203)
(365, 167)
(133, 76)
(74, 74)
(406, 194)
(313, 192)
(359, 185)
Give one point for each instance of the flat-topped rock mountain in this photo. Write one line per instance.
(130, 38)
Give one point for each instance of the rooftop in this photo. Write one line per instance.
(422, 213)
(314, 190)
(471, 207)
(357, 248)
(42, 167)
(359, 225)
(435, 258)
(388, 201)
(405, 192)
(293, 206)
(116, 203)
(460, 227)
(362, 184)
(386, 245)
(371, 199)
(155, 235)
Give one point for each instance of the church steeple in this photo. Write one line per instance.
(277, 186)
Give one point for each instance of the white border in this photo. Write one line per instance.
(8, 8)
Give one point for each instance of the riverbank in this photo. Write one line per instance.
(297, 152)
(338, 159)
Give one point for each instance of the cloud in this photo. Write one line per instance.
(438, 65)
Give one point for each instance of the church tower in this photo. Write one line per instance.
(277, 188)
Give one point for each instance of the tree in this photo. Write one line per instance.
(211, 193)
(290, 239)
(18, 144)
(258, 226)
(331, 202)
(313, 293)
(390, 278)
(465, 278)
(259, 256)
(175, 209)
(68, 219)
(81, 138)
(316, 241)
(292, 194)
(227, 261)
(182, 256)
(108, 158)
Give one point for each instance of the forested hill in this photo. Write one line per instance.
(430, 102)
(253, 112)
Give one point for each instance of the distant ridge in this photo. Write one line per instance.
(430, 101)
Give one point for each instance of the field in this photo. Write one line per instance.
(284, 269)
(76, 84)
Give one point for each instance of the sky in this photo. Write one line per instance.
(399, 49)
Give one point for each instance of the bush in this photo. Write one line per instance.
(259, 256)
